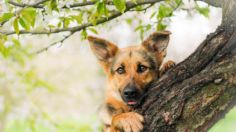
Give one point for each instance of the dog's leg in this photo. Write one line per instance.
(127, 122)
(169, 64)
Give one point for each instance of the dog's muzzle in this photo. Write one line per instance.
(131, 95)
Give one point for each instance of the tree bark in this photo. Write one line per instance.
(197, 92)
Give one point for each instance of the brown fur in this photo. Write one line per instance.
(139, 66)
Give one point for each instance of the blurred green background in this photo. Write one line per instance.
(61, 89)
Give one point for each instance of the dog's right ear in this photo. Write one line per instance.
(157, 43)
(103, 50)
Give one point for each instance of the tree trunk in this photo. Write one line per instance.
(197, 92)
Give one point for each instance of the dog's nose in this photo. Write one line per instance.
(130, 92)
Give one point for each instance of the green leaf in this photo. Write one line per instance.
(161, 26)
(16, 25)
(59, 24)
(53, 5)
(148, 27)
(5, 17)
(51, 26)
(134, 1)
(44, 84)
(164, 11)
(93, 30)
(152, 15)
(120, 5)
(16, 43)
(139, 8)
(23, 24)
(84, 34)
(66, 22)
(102, 9)
(3, 50)
(29, 15)
(93, 18)
(129, 21)
(142, 29)
(203, 10)
(178, 2)
(78, 18)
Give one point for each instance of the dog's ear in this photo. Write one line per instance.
(157, 43)
(103, 50)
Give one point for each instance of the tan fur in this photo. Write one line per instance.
(116, 115)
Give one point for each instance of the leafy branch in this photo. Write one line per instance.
(35, 5)
(74, 5)
(129, 5)
(115, 14)
(91, 13)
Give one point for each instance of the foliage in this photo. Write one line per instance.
(18, 77)
(120, 5)
(54, 16)
(63, 125)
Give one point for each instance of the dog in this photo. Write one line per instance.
(129, 71)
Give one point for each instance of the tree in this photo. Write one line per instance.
(200, 90)
(191, 96)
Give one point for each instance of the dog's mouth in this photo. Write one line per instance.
(132, 103)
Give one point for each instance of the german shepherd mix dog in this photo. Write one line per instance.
(130, 70)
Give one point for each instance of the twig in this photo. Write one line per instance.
(143, 9)
(86, 3)
(35, 5)
(74, 5)
(54, 43)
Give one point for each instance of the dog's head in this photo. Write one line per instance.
(131, 69)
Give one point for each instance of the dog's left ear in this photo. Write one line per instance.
(103, 50)
(157, 43)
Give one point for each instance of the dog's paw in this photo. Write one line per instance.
(127, 122)
(169, 64)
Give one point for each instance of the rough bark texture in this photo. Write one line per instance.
(197, 92)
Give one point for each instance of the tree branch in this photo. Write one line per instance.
(35, 5)
(129, 6)
(74, 5)
(143, 9)
(86, 3)
(194, 94)
(197, 92)
(54, 43)
(216, 3)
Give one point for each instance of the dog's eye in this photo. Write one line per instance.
(120, 70)
(141, 68)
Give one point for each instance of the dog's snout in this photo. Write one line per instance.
(131, 95)
(130, 92)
